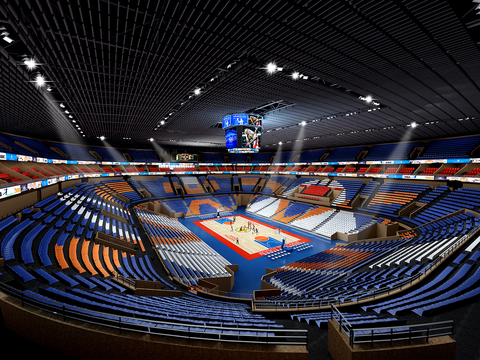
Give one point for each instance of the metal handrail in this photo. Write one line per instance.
(280, 336)
(309, 303)
(401, 332)
(372, 335)
(337, 315)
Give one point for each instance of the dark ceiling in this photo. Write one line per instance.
(121, 67)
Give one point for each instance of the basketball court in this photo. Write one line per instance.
(248, 237)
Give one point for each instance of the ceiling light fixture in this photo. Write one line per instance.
(271, 68)
(413, 124)
(295, 75)
(196, 91)
(39, 81)
(6, 37)
(368, 99)
(31, 63)
(102, 138)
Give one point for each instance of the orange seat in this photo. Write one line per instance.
(86, 258)
(116, 259)
(60, 256)
(72, 253)
(106, 259)
(97, 262)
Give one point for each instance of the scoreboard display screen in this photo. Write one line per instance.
(227, 121)
(243, 132)
(239, 119)
(251, 136)
(231, 138)
(254, 120)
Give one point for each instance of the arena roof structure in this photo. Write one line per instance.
(355, 72)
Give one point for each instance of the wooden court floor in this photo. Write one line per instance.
(248, 237)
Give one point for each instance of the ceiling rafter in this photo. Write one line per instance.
(123, 68)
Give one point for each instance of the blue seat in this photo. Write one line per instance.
(26, 247)
(10, 238)
(84, 281)
(49, 219)
(67, 278)
(59, 223)
(24, 274)
(68, 214)
(38, 215)
(45, 275)
(101, 283)
(43, 247)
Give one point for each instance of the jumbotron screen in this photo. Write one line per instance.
(243, 132)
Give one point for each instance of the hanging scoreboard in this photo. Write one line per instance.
(243, 132)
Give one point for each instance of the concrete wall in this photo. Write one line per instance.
(16, 203)
(74, 339)
(439, 348)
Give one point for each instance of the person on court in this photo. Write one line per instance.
(237, 241)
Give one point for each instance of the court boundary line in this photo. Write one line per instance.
(236, 248)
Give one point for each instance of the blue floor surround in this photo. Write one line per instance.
(250, 272)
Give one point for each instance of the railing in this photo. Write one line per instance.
(390, 333)
(212, 215)
(123, 280)
(335, 314)
(228, 294)
(142, 284)
(309, 303)
(185, 330)
(367, 295)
